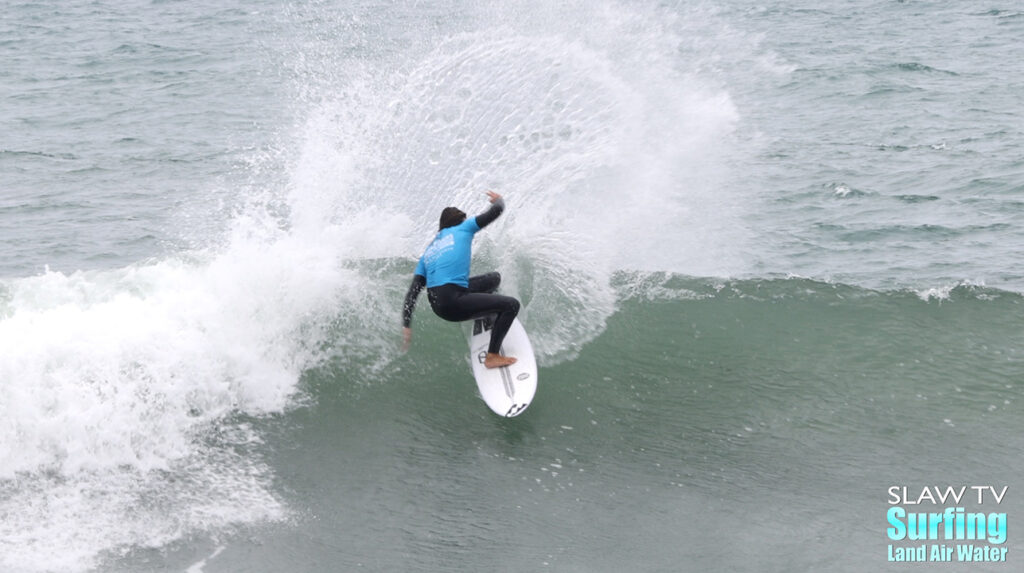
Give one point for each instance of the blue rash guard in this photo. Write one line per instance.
(446, 260)
(453, 294)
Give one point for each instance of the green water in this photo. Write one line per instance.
(767, 417)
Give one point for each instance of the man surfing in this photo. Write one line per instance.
(453, 294)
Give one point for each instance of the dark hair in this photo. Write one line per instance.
(450, 217)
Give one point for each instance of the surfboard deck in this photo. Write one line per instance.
(508, 390)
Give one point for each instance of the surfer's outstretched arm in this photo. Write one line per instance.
(488, 216)
(418, 282)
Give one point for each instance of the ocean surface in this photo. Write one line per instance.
(770, 255)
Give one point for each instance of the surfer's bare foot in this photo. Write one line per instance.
(493, 360)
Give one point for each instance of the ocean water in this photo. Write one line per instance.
(769, 253)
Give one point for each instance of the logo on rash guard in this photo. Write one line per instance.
(439, 247)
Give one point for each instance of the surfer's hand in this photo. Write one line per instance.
(493, 196)
(406, 338)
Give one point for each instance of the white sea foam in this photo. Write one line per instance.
(118, 388)
(113, 381)
(943, 293)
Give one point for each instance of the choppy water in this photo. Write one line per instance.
(770, 258)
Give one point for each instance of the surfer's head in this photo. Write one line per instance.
(450, 217)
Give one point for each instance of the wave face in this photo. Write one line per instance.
(793, 400)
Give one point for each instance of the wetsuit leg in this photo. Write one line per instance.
(487, 283)
(455, 304)
(510, 308)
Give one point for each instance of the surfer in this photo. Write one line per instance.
(453, 294)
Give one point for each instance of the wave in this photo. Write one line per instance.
(919, 67)
(670, 286)
(132, 382)
(132, 386)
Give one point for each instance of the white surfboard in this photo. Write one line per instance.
(507, 390)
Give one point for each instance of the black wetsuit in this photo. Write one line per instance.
(458, 302)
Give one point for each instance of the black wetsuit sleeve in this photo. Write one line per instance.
(418, 282)
(488, 216)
